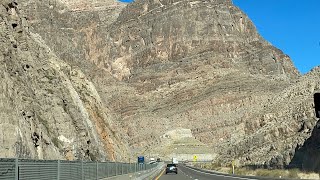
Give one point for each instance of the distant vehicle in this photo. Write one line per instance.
(152, 161)
(141, 160)
(175, 161)
(171, 168)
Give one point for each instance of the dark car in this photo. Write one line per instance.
(171, 168)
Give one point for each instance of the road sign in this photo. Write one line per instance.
(141, 159)
(195, 158)
(233, 163)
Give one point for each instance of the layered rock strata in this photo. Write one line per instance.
(152, 67)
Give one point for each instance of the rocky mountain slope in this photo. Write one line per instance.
(49, 109)
(285, 122)
(151, 67)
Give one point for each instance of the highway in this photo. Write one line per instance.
(185, 173)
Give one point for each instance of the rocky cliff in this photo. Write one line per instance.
(49, 109)
(152, 67)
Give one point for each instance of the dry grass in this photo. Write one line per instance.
(275, 173)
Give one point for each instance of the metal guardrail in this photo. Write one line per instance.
(29, 169)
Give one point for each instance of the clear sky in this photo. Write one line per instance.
(290, 25)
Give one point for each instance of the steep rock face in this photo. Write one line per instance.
(148, 34)
(199, 65)
(286, 121)
(49, 110)
(73, 29)
(159, 66)
(203, 66)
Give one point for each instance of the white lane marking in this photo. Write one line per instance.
(185, 173)
(220, 175)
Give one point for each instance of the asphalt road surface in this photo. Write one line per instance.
(185, 173)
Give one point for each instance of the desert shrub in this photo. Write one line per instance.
(270, 173)
(243, 171)
(56, 142)
(247, 171)
(215, 165)
(293, 173)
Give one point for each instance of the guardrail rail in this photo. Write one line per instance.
(30, 169)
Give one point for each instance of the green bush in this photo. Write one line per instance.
(56, 142)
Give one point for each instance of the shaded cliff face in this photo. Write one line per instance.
(49, 110)
(154, 67)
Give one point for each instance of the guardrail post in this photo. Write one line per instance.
(97, 170)
(58, 168)
(82, 178)
(121, 168)
(116, 168)
(107, 169)
(132, 166)
(16, 171)
(129, 168)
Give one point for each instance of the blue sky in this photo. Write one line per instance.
(291, 25)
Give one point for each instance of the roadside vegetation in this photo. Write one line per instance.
(245, 171)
